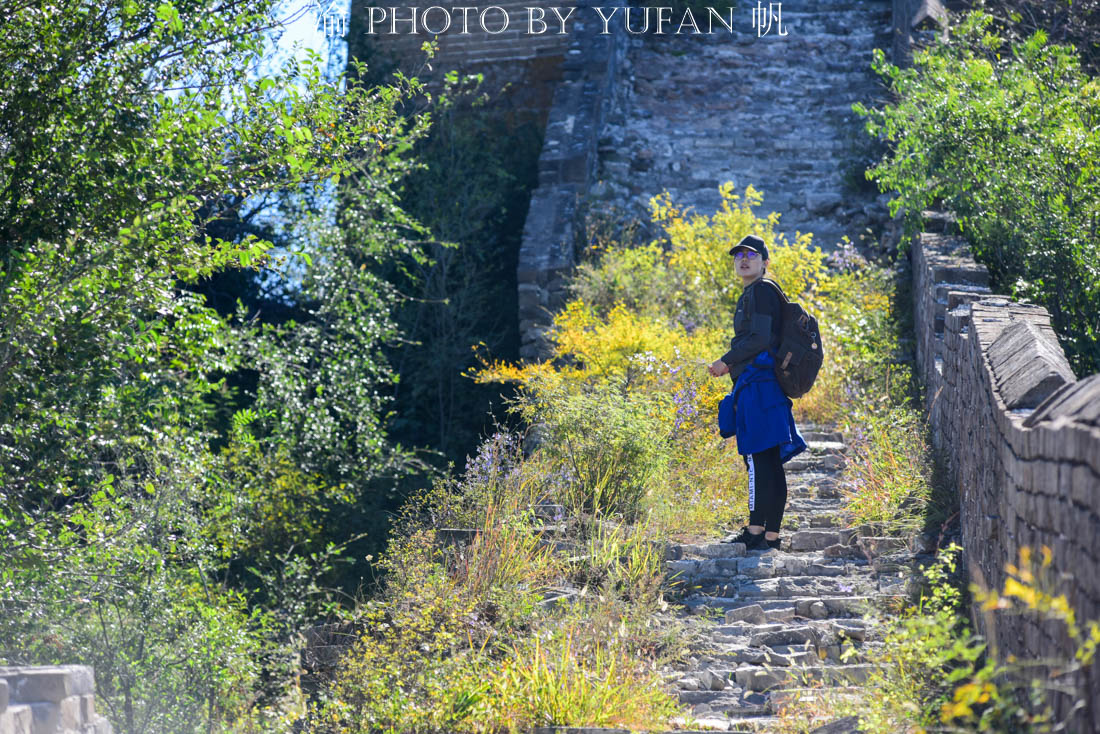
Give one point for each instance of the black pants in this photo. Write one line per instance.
(767, 489)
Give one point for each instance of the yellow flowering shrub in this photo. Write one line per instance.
(653, 318)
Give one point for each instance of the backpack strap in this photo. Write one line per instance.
(784, 301)
(779, 290)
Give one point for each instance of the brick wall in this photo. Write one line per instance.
(567, 169)
(1023, 440)
(49, 699)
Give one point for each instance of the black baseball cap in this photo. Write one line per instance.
(754, 243)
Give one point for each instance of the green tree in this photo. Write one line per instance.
(131, 507)
(1075, 23)
(1008, 137)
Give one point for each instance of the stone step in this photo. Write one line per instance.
(820, 634)
(703, 552)
(780, 655)
(799, 518)
(779, 610)
(812, 504)
(762, 679)
(788, 696)
(829, 545)
(774, 564)
(787, 76)
(825, 520)
(810, 540)
(722, 723)
(825, 447)
(803, 491)
(870, 547)
(818, 492)
(817, 434)
(806, 461)
(727, 700)
(790, 587)
(773, 44)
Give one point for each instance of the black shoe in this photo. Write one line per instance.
(752, 541)
(773, 544)
(742, 537)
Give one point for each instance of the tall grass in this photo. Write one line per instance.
(564, 682)
(889, 469)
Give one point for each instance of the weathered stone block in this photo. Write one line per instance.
(805, 540)
(69, 712)
(681, 570)
(18, 719)
(47, 717)
(960, 295)
(1077, 402)
(48, 683)
(755, 567)
(803, 635)
(531, 296)
(846, 725)
(727, 565)
(720, 550)
(822, 203)
(959, 271)
(1084, 486)
(1045, 477)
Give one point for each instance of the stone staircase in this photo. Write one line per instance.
(765, 627)
(694, 111)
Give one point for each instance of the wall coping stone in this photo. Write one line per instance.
(1027, 367)
(35, 684)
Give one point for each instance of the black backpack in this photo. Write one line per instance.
(799, 354)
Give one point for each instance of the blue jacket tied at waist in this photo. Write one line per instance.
(762, 413)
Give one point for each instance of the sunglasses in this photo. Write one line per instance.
(742, 254)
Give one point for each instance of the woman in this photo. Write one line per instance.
(766, 434)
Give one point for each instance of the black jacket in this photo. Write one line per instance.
(757, 325)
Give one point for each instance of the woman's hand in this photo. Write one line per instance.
(719, 368)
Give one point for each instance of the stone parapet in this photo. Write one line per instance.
(56, 699)
(567, 169)
(916, 22)
(1022, 437)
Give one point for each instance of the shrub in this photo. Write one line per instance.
(1007, 136)
(646, 321)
